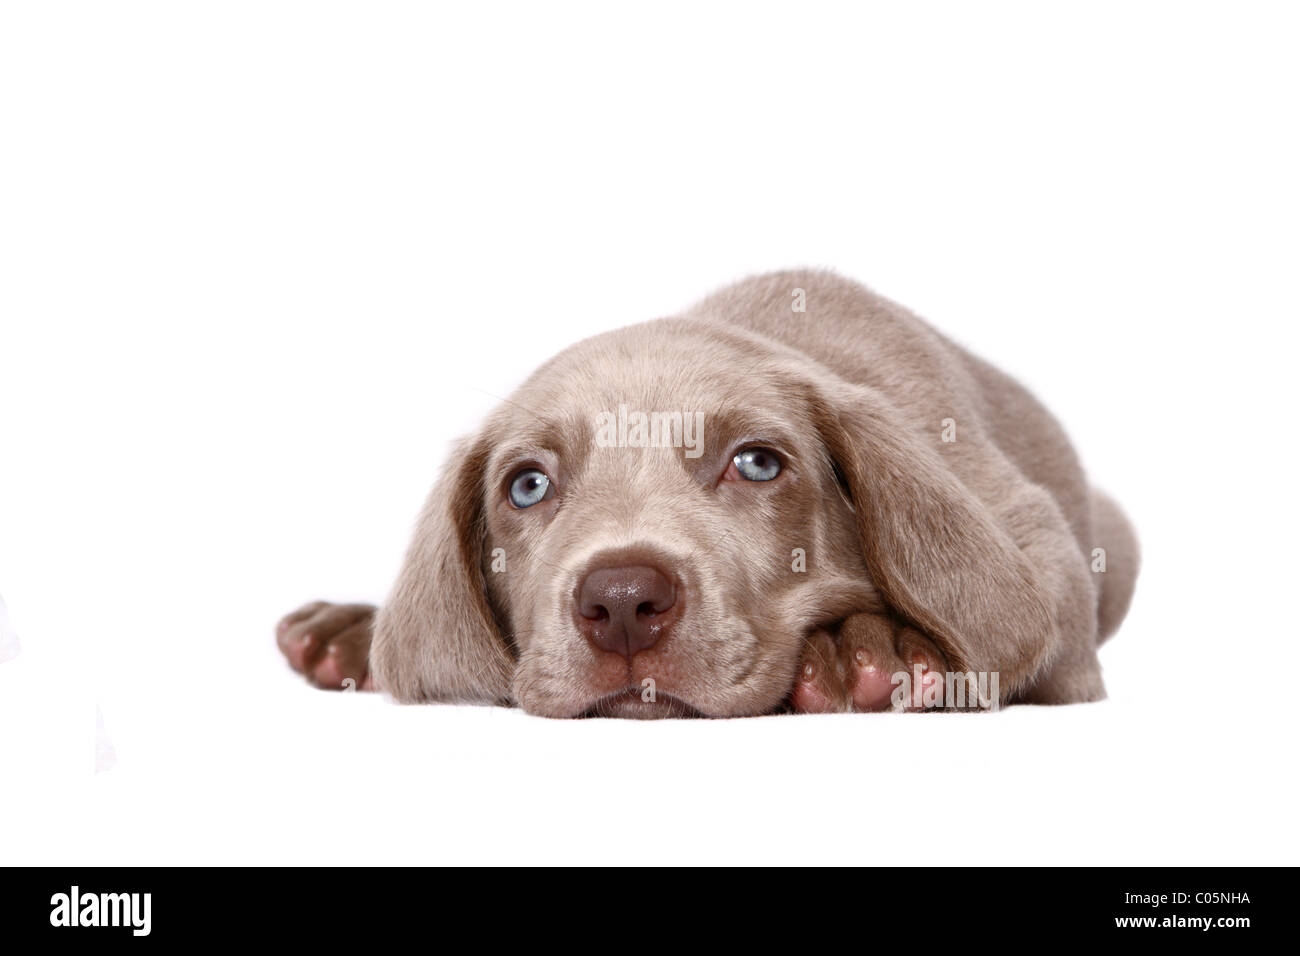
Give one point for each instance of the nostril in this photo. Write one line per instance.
(597, 613)
(660, 603)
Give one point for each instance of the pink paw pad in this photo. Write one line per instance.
(808, 696)
(872, 686)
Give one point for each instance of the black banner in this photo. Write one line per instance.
(914, 907)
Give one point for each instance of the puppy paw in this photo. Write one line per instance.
(329, 644)
(858, 668)
(819, 681)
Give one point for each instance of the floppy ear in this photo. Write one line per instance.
(437, 638)
(936, 551)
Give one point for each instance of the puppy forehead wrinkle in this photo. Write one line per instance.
(521, 432)
(731, 423)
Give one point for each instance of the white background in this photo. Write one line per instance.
(261, 262)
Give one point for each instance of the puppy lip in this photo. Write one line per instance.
(670, 705)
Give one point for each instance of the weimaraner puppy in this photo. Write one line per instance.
(796, 496)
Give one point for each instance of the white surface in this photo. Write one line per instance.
(9, 646)
(262, 262)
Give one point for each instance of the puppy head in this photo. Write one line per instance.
(652, 525)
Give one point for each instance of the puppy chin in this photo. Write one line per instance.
(630, 703)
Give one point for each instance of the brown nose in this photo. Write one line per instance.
(625, 610)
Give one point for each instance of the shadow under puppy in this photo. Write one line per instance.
(788, 497)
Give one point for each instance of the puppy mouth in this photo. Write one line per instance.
(632, 703)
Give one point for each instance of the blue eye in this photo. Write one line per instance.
(757, 464)
(529, 487)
